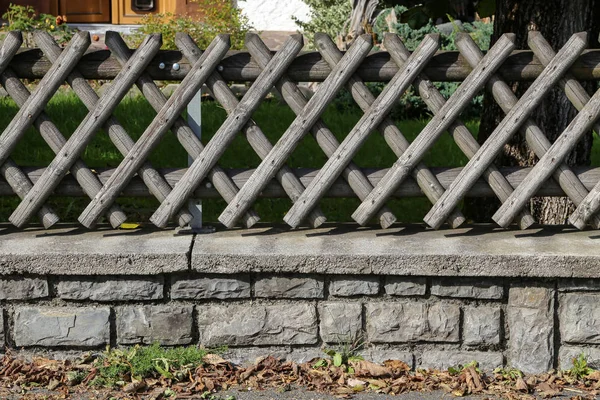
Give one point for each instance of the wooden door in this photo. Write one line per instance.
(87, 11)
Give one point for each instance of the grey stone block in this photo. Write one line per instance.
(291, 286)
(256, 324)
(167, 325)
(444, 359)
(411, 322)
(379, 355)
(566, 354)
(403, 286)
(475, 288)
(340, 322)
(481, 325)
(580, 318)
(61, 326)
(110, 288)
(530, 316)
(354, 285)
(210, 287)
(22, 288)
(578, 285)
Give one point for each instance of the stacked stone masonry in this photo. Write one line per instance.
(533, 325)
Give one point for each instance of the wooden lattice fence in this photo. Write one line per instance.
(215, 67)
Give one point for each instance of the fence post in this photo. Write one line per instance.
(194, 120)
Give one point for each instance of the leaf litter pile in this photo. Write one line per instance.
(43, 378)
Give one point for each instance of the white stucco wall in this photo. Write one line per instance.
(274, 15)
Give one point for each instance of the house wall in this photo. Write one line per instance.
(266, 15)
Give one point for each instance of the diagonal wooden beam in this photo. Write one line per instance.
(459, 132)
(533, 134)
(507, 127)
(296, 131)
(188, 139)
(227, 132)
(86, 130)
(434, 129)
(10, 171)
(392, 135)
(255, 136)
(368, 122)
(156, 130)
(326, 140)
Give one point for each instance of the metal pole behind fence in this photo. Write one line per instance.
(195, 122)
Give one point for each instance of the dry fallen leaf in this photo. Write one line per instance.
(521, 385)
(214, 359)
(356, 382)
(134, 386)
(367, 368)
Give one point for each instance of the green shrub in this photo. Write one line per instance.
(218, 16)
(328, 16)
(24, 19)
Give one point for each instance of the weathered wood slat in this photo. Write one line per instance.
(84, 133)
(55, 140)
(550, 161)
(156, 130)
(301, 125)
(9, 170)
(434, 129)
(392, 135)
(69, 187)
(507, 127)
(326, 140)
(180, 128)
(255, 136)
(459, 132)
(370, 120)
(238, 66)
(534, 136)
(226, 133)
(576, 93)
(115, 130)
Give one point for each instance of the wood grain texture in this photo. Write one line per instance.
(84, 133)
(434, 129)
(459, 132)
(534, 136)
(227, 131)
(255, 136)
(13, 175)
(295, 132)
(156, 129)
(392, 135)
(550, 161)
(589, 176)
(357, 136)
(188, 139)
(512, 121)
(238, 66)
(326, 140)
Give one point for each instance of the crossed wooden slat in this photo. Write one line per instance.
(70, 152)
(255, 136)
(534, 136)
(513, 120)
(14, 176)
(323, 136)
(190, 142)
(156, 130)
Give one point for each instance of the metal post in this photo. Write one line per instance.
(194, 121)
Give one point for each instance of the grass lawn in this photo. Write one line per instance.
(135, 114)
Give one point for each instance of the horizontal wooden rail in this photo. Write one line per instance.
(69, 187)
(238, 66)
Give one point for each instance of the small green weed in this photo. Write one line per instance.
(342, 356)
(116, 366)
(456, 370)
(25, 19)
(580, 368)
(508, 373)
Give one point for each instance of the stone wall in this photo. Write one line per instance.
(534, 325)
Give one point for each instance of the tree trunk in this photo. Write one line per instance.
(557, 20)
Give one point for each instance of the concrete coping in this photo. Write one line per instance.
(335, 249)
